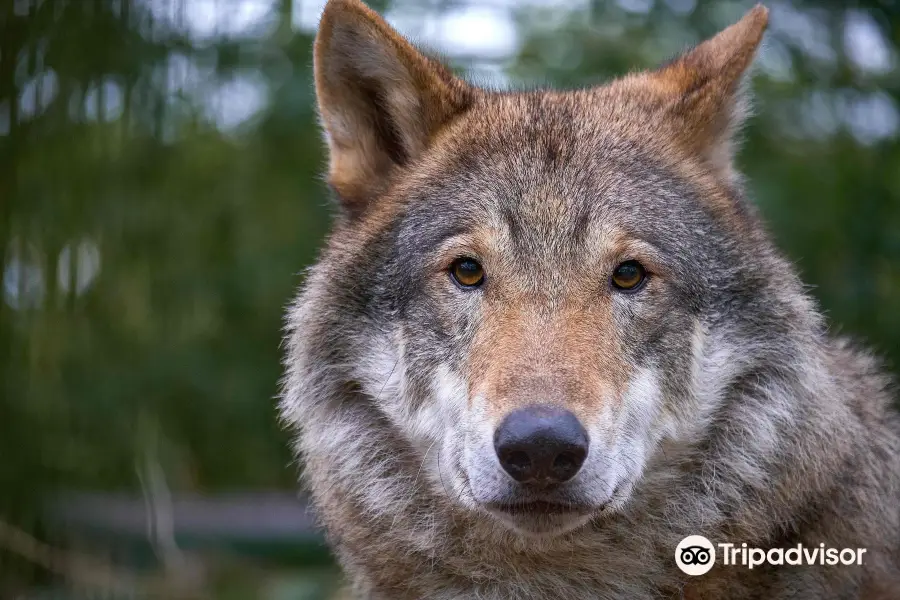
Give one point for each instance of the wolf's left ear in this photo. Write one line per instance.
(702, 88)
(380, 100)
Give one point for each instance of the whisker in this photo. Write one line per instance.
(387, 379)
(422, 465)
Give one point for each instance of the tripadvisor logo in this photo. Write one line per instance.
(696, 555)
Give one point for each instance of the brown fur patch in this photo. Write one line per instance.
(571, 358)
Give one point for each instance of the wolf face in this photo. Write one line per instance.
(548, 339)
(592, 269)
(530, 288)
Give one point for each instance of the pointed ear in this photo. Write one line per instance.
(702, 88)
(380, 100)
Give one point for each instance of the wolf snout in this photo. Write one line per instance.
(541, 444)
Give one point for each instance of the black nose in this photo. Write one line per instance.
(541, 444)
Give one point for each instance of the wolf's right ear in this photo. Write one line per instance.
(380, 100)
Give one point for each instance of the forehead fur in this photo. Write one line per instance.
(558, 162)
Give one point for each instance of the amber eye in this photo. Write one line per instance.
(629, 276)
(467, 272)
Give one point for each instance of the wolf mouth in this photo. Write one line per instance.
(540, 507)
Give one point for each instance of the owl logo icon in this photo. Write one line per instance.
(695, 555)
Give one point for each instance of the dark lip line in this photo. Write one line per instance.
(539, 507)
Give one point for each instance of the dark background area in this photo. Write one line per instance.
(160, 196)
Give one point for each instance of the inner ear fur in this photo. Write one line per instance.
(703, 91)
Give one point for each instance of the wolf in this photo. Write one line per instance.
(549, 337)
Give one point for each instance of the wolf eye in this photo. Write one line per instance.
(467, 272)
(629, 276)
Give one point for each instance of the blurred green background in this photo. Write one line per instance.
(160, 195)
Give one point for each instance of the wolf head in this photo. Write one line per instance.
(530, 294)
